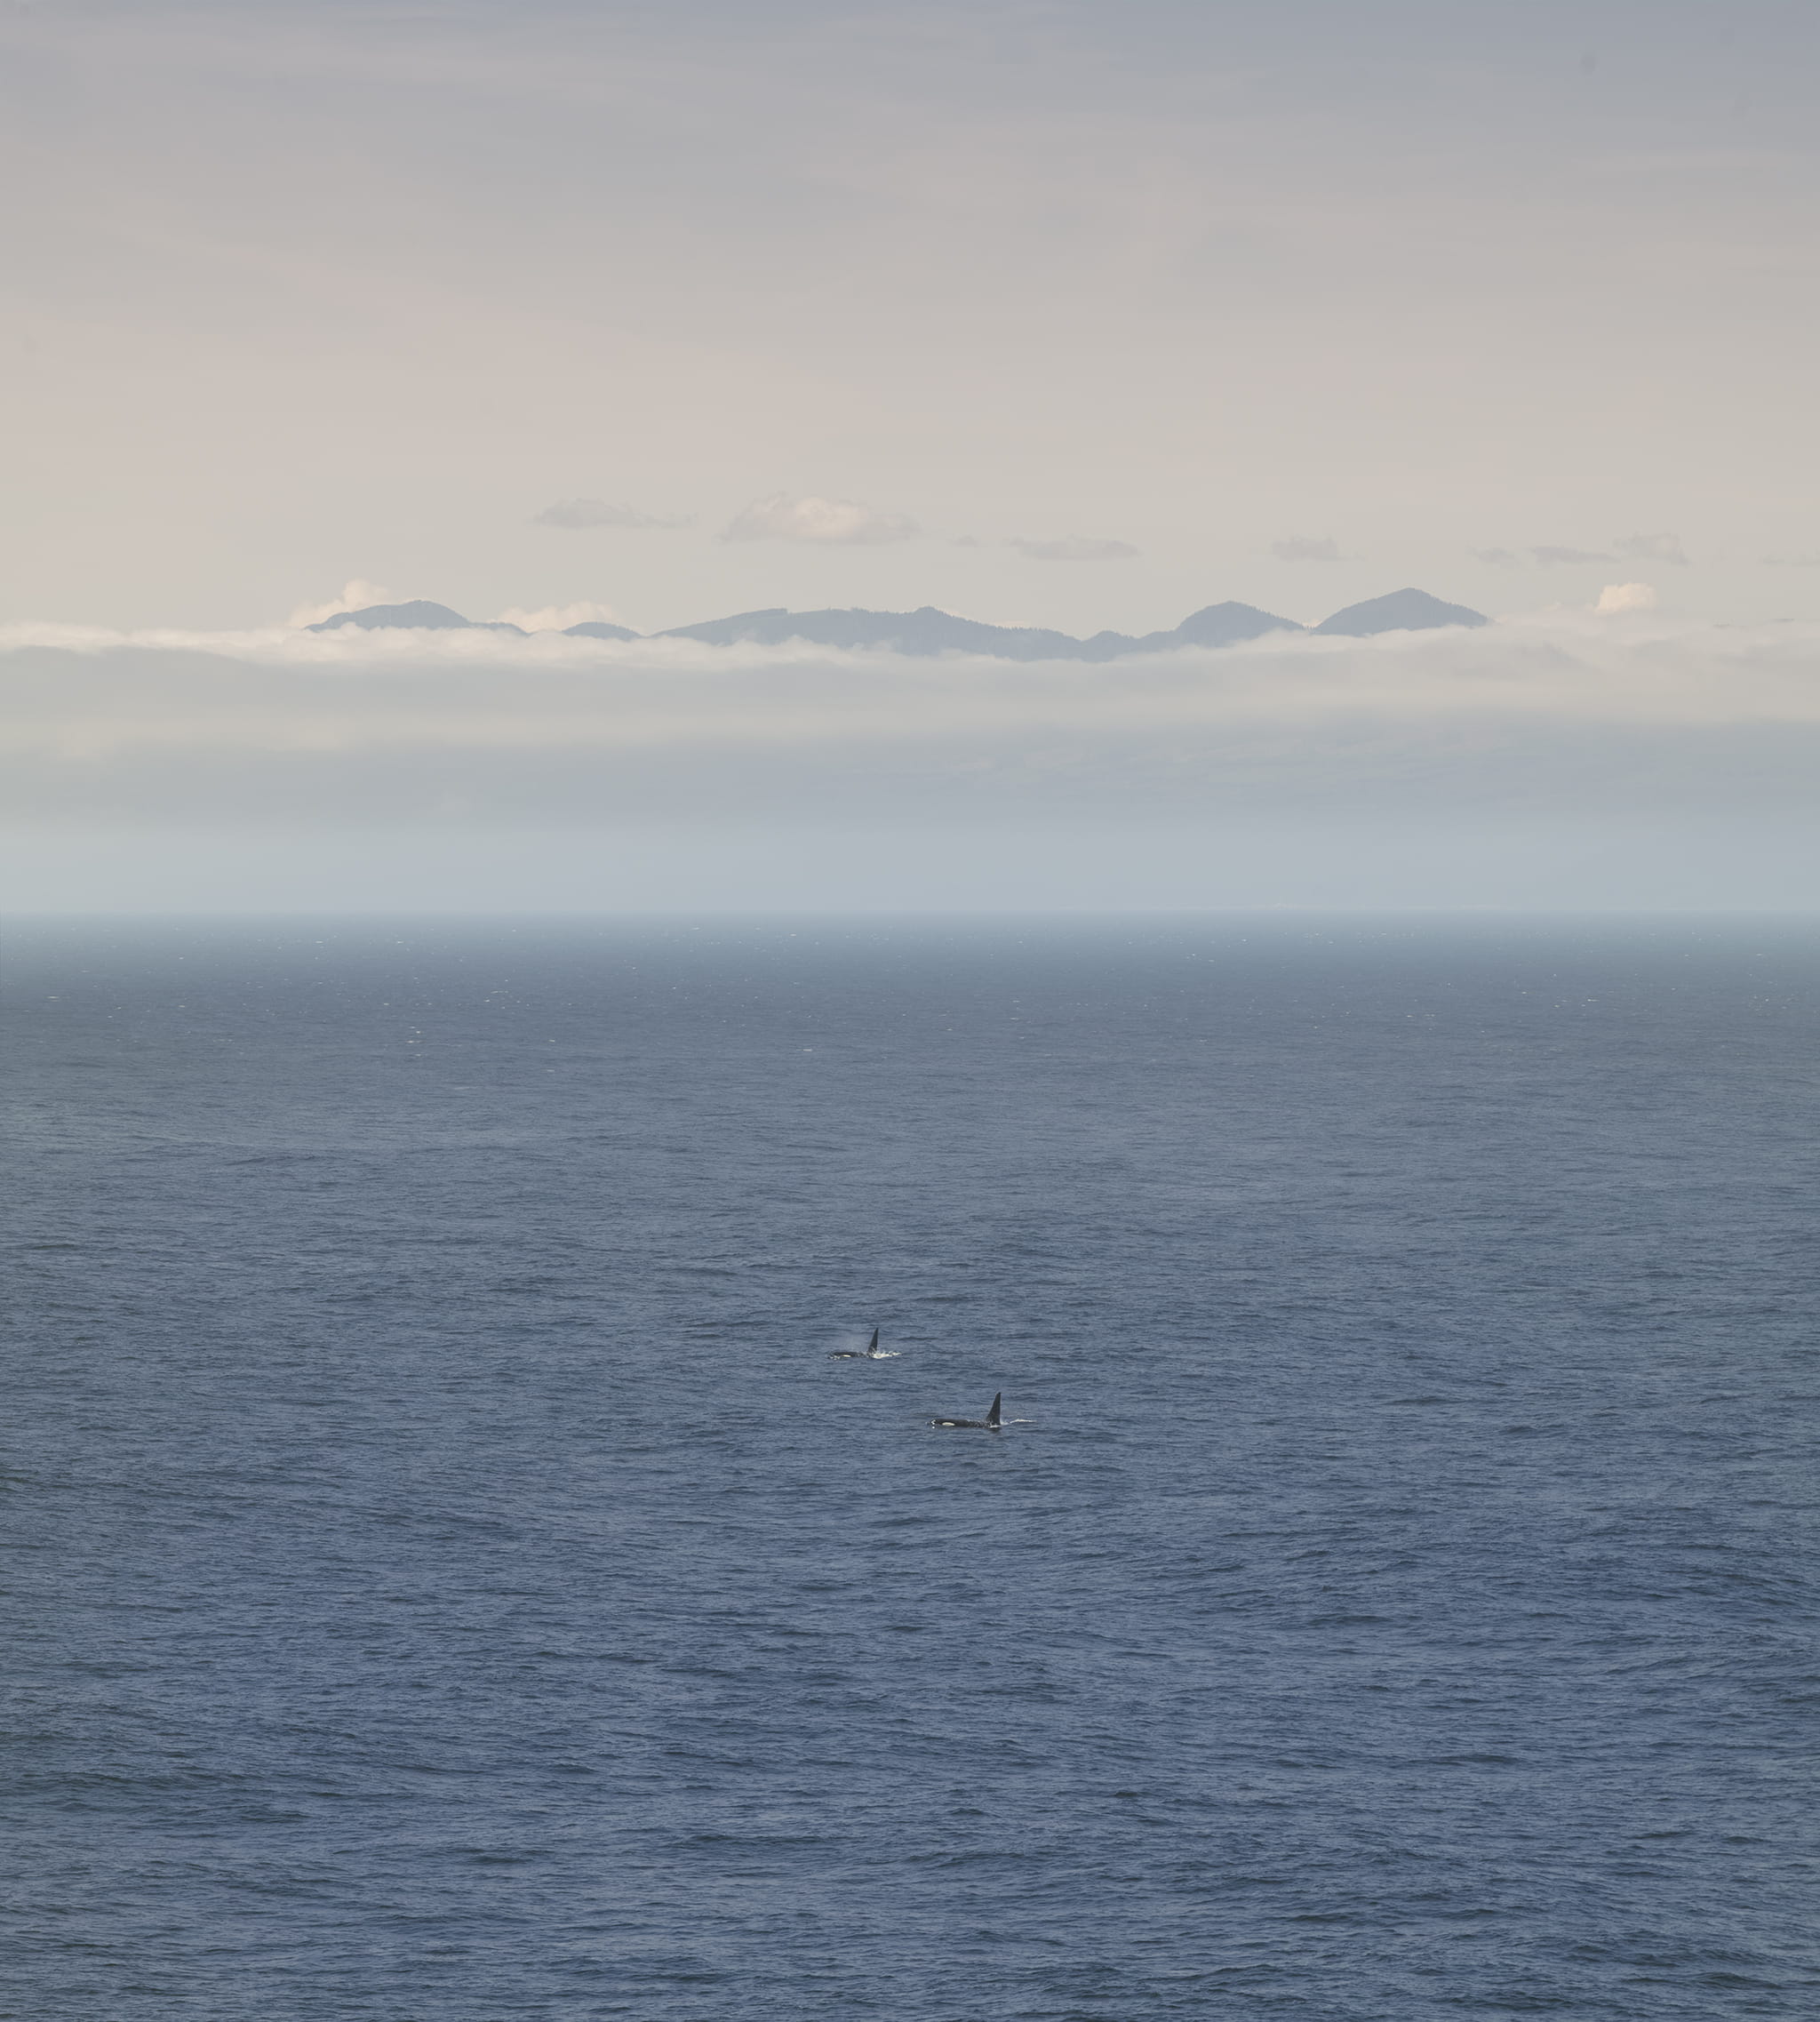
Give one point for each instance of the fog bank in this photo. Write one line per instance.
(1556, 761)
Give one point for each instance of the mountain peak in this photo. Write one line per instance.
(420, 615)
(596, 628)
(417, 616)
(1402, 611)
(1226, 625)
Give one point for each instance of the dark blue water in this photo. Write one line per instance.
(447, 1577)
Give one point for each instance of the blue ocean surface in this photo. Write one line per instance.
(448, 1579)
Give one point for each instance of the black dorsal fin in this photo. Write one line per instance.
(872, 1345)
(992, 1416)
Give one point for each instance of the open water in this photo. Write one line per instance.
(447, 1580)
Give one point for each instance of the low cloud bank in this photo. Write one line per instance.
(1680, 752)
(69, 689)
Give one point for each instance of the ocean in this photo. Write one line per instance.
(449, 1579)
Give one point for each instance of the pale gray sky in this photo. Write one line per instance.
(956, 304)
(1050, 311)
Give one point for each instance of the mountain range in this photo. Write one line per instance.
(930, 631)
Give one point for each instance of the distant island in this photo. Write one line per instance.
(930, 631)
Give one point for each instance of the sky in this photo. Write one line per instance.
(1077, 315)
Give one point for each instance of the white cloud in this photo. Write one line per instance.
(1074, 548)
(1495, 557)
(1616, 598)
(1655, 547)
(597, 512)
(559, 617)
(833, 521)
(1300, 548)
(354, 595)
(1792, 561)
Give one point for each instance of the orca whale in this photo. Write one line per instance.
(989, 1423)
(871, 1352)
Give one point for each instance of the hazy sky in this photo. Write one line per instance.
(1077, 313)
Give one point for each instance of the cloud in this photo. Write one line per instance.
(1298, 547)
(597, 512)
(1496, 558)
(1655, 547)
(1558, 741)
(1569, 557)
(1518, 764)
(559, 617)
(354, 595)
(831, 522)
(1074, 548)
(1618, 597)
(1792, 561)
(351, 689)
